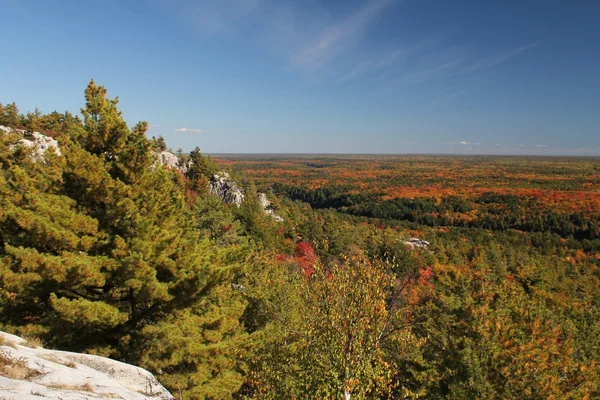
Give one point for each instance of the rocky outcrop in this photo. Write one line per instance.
(230, 193)
(171, 161)
(221, 184)
(28, 373)
(268, 207)
(226, 189)
(417, 243)
(39, 142)
(43, 143)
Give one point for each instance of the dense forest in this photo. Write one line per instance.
(106, 251)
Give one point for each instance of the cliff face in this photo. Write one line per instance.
(28, 373)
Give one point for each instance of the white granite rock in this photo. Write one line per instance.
(64, 375)
(268, 207)
(416, 242)
(40, 142)
(226, 189)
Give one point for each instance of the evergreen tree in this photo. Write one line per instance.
(200, 170)
(9, 115)
(101, 253)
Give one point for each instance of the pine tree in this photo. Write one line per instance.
(101, 253)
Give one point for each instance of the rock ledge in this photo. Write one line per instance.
(35, 373)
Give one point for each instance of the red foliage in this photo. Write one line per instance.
(306, 257)
(282, 258)
(425, 277)
(420, 287)
(226, 227)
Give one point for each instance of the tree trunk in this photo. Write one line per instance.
(347, 395)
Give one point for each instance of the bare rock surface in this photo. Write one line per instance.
(417, 243)
(36, 373)
(226, 189)
(171, 161)
(268, 207)
(40, 142)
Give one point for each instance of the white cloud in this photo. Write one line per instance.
(153, 126)
(541, 146)
(463, 143)
(189, 130)
(436, 61)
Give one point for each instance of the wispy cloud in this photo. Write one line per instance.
(213, 17)
(437, 62)
(496, 59)
(383, 61)
(313, 35)
(153, 126)
(189, 130)
(339, 37)
(308, 35)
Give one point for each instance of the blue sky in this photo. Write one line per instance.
(352, 76)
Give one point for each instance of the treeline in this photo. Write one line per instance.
(488, 211)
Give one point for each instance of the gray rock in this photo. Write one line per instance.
(226, 189)
(171, 161)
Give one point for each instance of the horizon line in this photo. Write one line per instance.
(404, 154)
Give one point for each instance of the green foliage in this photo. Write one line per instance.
(9, 115)
(330, 330)
(255, 223)
(105, 129)
(201, 168)
(101, 253)
(159, 144)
